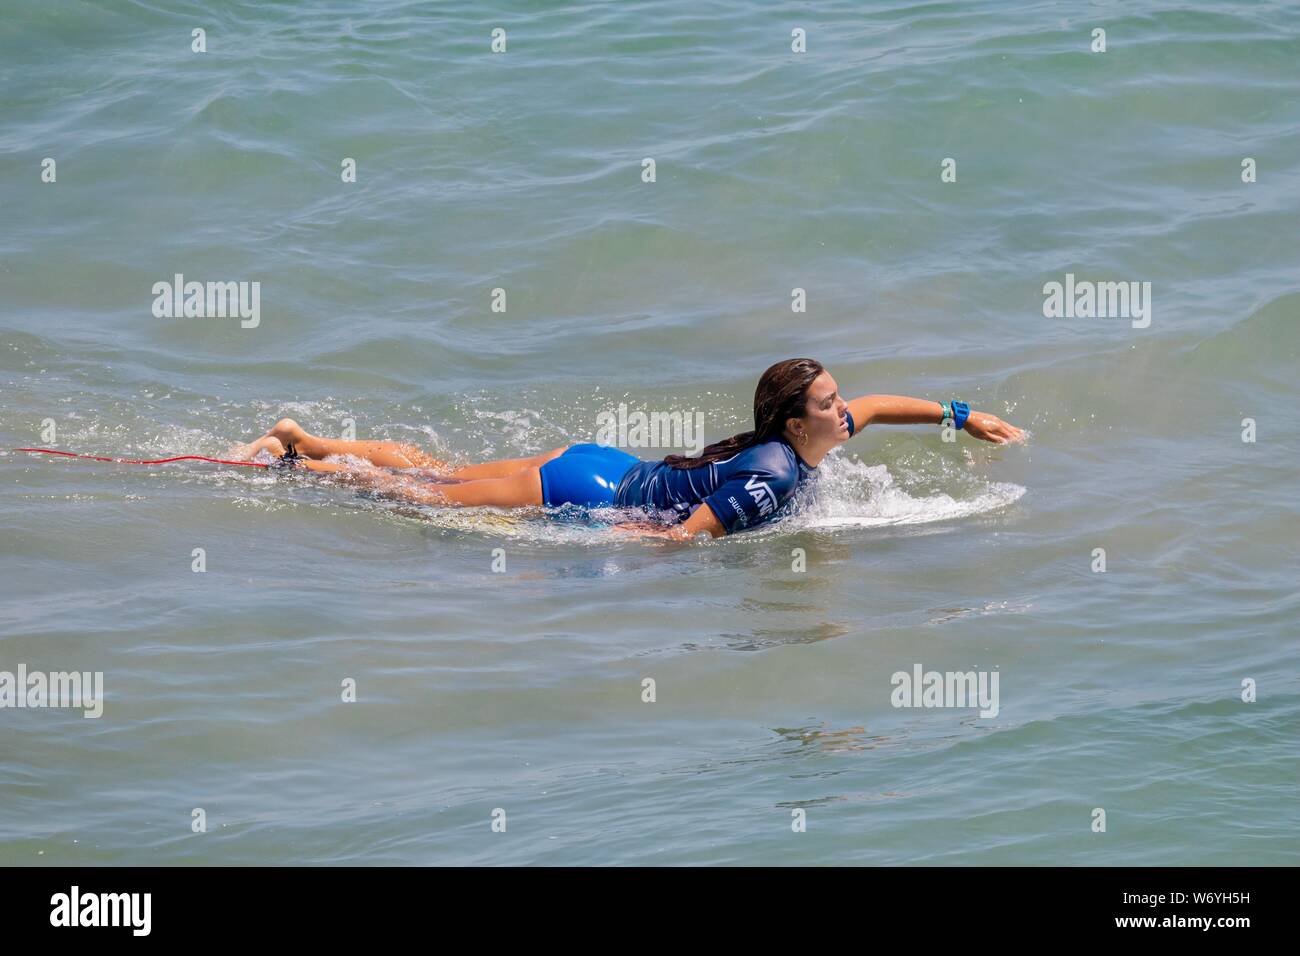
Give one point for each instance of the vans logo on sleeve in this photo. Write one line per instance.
(762, 495)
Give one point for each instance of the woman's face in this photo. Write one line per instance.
(825, 420)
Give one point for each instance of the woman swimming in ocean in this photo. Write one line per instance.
(732, 485)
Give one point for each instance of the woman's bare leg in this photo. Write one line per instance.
(386, 454)
(505, 467)
(268, 443)
(520, 490)
(382, 453)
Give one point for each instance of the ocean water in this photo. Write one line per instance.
(520, 692)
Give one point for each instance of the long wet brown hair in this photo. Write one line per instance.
(782, 394)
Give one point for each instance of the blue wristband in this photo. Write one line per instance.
(960, 412)
(945, 412)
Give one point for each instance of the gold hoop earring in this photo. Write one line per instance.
(803, 438)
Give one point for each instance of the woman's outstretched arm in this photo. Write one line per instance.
(902, 410)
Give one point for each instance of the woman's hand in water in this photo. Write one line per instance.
(991, 428)
(703, 521)
(649, 529)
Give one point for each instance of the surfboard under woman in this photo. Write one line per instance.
(732, 485)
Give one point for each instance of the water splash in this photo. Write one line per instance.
(852, 494)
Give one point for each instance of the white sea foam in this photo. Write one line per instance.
(855, 495)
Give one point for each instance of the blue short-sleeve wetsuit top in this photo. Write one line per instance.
(744, 490)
